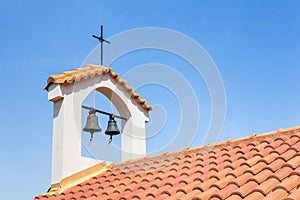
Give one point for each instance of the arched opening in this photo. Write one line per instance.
(107, 100)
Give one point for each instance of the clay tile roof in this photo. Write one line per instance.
(89, 71)
(265, 166)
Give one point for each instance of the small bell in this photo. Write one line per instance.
(112, 128)
(92, 125)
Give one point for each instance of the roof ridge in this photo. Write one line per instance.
(229, 142)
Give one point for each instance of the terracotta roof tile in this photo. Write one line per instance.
(234, 197)
(226, 191)
(255, 195)
(294, 194)
(278, 193)
(263, 166)
(89, 71)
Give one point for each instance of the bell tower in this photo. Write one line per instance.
(67, 91)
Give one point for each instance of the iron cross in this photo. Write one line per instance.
(101, 40)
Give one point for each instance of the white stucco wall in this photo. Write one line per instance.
(66, 152)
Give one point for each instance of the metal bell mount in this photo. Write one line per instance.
(92, 124)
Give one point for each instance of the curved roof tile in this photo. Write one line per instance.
(89, 71)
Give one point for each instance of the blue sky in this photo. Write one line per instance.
(255, 45)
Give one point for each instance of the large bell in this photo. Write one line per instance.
(112, 128)
(92, 125)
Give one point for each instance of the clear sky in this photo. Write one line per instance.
(254, 44)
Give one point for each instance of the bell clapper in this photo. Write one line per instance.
(110, 139)
(91, 138)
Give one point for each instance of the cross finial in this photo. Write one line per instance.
(101, 40)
